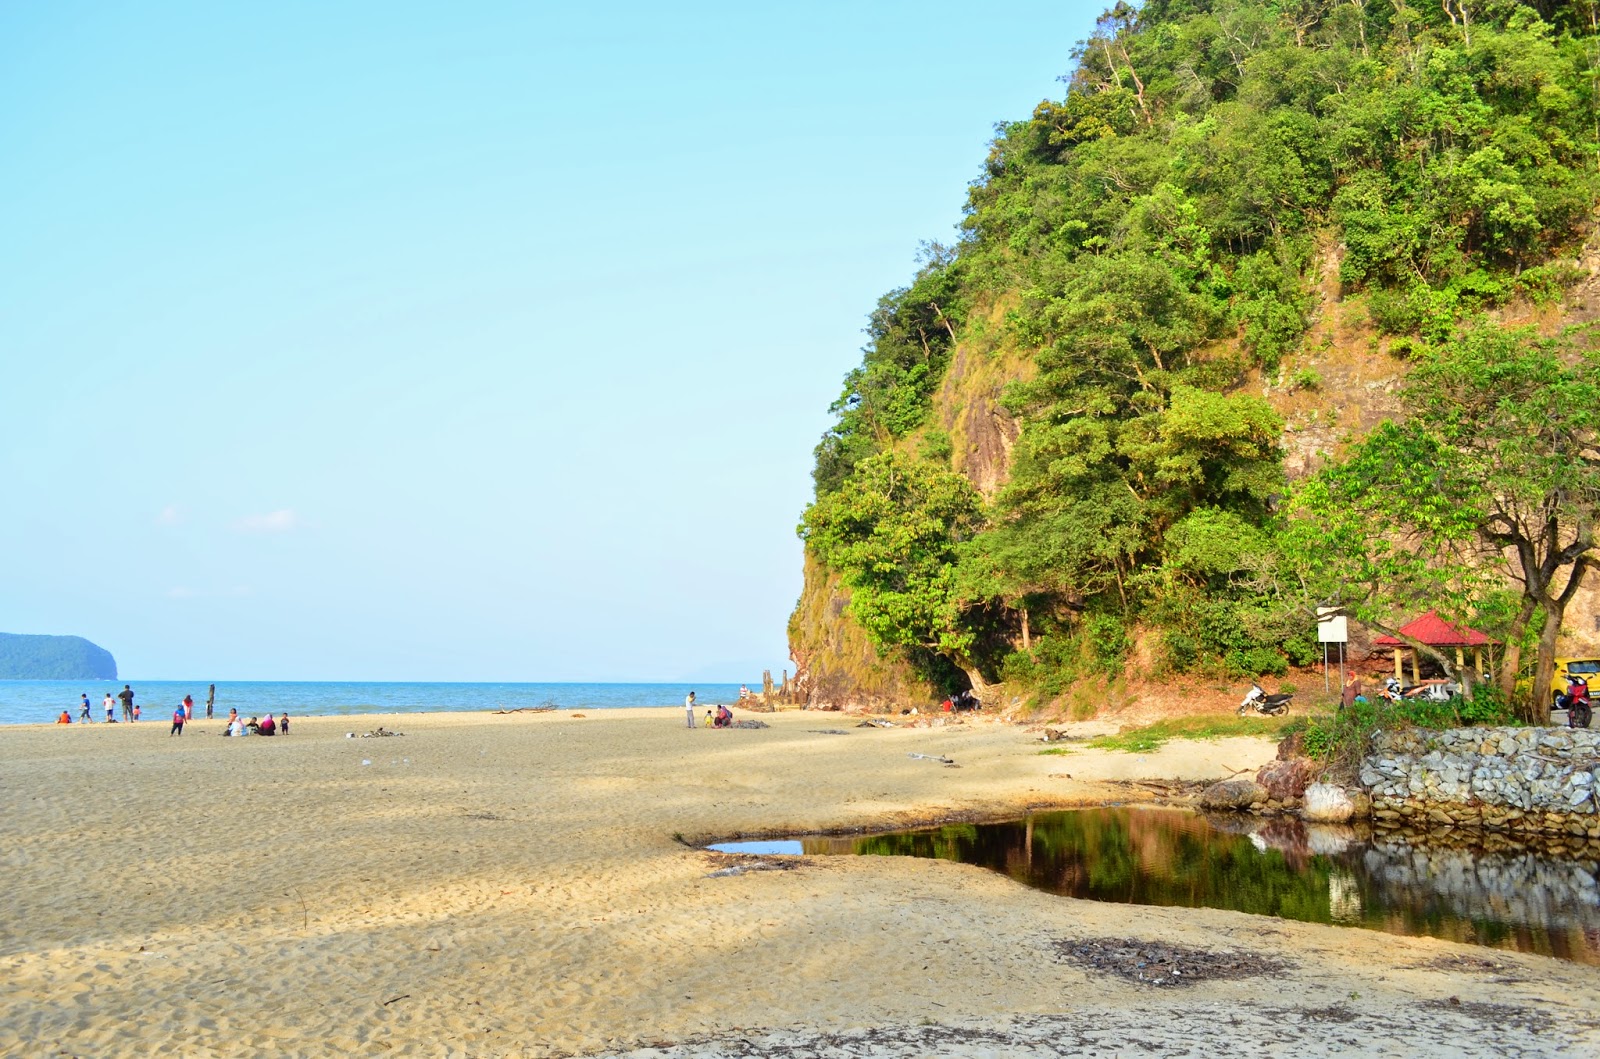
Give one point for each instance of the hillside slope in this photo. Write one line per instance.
(1194, 280)
(27, 657)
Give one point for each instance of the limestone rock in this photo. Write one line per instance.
(1233, 794)
(1325, 803)
(1284, 779)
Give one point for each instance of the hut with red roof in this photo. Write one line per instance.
(1434, 631)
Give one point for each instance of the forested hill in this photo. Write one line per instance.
(1063, 453)
(25, 657)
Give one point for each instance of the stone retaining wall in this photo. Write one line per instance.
(1503, 779)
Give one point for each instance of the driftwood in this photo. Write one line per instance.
(546, 708)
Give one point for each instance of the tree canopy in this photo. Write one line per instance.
(1150, 244)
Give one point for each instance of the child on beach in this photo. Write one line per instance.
(707, 722)
(65, 718)
(83, 712)
(283, 724)
(178, 718)
(136, 711)
(110, 705)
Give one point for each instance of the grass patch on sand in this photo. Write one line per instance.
(1155, 736)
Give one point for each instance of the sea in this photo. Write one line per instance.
(41, 701)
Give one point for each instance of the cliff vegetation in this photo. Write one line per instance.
(24, 657)
(1064, 452)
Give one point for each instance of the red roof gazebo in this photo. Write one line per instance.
(1435, 632)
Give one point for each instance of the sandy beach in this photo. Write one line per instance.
(529, 885)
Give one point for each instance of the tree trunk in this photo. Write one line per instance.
(1545, 669)
(1511, 661)
(1027, 643)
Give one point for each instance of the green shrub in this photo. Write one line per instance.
(1256, 662)
(1305, 379)
(1181, 651)
(1108, 642)
(1486, 708)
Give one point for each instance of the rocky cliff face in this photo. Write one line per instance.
(836, 665)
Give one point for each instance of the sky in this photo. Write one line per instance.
(481, 341)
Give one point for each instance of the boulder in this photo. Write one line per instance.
(1292, 747)
(1325, 803)
(1285, 779)
(1233, 794)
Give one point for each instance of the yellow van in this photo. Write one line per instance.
(1587, 668)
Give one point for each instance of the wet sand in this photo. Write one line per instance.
(529, 885)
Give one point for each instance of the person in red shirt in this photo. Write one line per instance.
(178, 717)
(188, 708)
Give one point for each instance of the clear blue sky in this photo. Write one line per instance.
(457, 341)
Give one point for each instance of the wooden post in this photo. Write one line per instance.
(766, 687)
(1416, 667)
(1477, 659)
(1399, 674)
(1461, 662)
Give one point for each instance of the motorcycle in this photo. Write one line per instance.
(1575, 700)
(1264, 704)
(1432, 691)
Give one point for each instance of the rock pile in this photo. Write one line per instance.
(1509, 779)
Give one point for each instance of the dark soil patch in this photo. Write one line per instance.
(1495, 1015)
(1162, 964)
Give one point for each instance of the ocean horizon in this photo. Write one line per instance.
(41, 701)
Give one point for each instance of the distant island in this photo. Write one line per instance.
(24, 657)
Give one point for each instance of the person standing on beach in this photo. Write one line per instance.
(83, 711)
(111, 709)
(688, 705)
(126, 695)
(211, 698)
(178, 717)
(188, 707)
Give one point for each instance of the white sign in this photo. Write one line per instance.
(1332, 627)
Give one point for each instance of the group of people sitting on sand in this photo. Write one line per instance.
(266, 726)
(962, 700)
(723, 718)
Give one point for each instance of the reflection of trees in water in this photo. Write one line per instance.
(1280, 867)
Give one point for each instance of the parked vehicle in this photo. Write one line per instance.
(1264, 704)
(1427, 691)
(1566, 668)
(1575, 700)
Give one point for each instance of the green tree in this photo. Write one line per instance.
(1493, 477)
(892, 529)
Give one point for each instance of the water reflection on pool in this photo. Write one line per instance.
(1460, 886)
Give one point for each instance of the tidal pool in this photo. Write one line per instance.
(1459, 886)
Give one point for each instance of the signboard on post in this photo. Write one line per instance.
(1332, 627)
